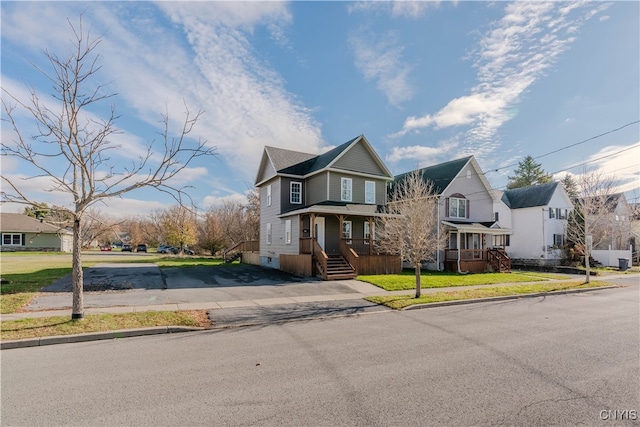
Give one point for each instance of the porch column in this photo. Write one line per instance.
(459, 249)
(312, 225)
(370, 219)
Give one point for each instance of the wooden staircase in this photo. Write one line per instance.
(339, 269)
(499, 260)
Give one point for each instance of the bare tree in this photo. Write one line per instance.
(252, 215)
(68, 135)
(588, 222)
(411, 228)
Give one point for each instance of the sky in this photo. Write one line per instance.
(425, 82)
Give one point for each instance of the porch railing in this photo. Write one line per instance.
(320, 257)
(465, 254)
(349, 254)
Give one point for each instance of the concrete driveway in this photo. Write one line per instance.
(121, 285)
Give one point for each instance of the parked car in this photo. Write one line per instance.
(163, 249)
(141, 248)
(105, 248)
(126, 248)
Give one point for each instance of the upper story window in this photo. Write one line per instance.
(269, 195)
(558, 213)
(296, 193)
(458, 206)
(345, 193)
(370, 192)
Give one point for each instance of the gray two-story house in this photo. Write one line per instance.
(317, 212)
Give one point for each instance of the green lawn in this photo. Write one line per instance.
(402, 301)
(435, 279)
(28, 272)
(50, 326)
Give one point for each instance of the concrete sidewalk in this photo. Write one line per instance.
(360, 289)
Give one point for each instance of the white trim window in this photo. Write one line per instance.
(12, 239)
(457, 207)
(295, 193)
(287, 232)
(370, 192)
(345, 186)
(268, 233)
(346, 231)
(269, 195)
(369, 232)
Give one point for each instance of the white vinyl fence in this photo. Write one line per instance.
(609, 257)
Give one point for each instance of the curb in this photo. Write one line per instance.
(504, 298)
(94, 336)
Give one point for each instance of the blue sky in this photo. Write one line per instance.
(425, 82)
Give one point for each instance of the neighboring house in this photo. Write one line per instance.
(612, 235)
(477, 229)
(317, 212)
(539, 215)
(24, 233)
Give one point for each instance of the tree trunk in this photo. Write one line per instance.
(76, 275)
(418, 287)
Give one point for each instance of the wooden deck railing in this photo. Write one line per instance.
(320, 257)
(349, 254)
(465, 254)
(234, 252)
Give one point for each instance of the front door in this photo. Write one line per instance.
(319, 230)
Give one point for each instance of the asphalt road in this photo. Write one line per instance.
(561, 360)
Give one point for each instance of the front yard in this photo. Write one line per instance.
(435, 279)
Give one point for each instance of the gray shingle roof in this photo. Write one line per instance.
(527, 197)
(441, 174)
(317, 163)
(19, 223)
(282, 158)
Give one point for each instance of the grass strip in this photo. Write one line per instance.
(401, 301)
(63, 325)
(434, 279)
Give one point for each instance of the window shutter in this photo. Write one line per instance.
(468, 209)
(446, 207)
(24, 240)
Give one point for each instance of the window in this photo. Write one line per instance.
(370, 192)
(268, 233)
(496, 216)
(552, 213)
(287, 232)
(558, 240)
(12, 239)
(457, 207)
(269, 195)
(453, 240)
(368, 232)
(502, 240)
(346, 231)
(296, 193)
(345, 194)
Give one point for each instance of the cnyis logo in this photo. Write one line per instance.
(618, 414)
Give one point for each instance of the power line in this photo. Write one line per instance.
(571, 145)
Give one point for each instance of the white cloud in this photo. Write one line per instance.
(400, 8)
(154, 69)
(516, 52)
(379, 58)
(423, 156)
(217, 201)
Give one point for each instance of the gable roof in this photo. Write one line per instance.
(20, 223)
(318, 162)
(527, 197)
(288, 162)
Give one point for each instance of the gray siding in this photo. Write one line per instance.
(357, 188)
(358, 159)
(267, 170)
(269, 214)
(316, 187)
(480, 201)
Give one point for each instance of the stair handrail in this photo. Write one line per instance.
(350, 255)
(320, 256)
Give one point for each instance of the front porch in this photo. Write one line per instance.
(477, 260)
(338, 246)
(477, 248)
